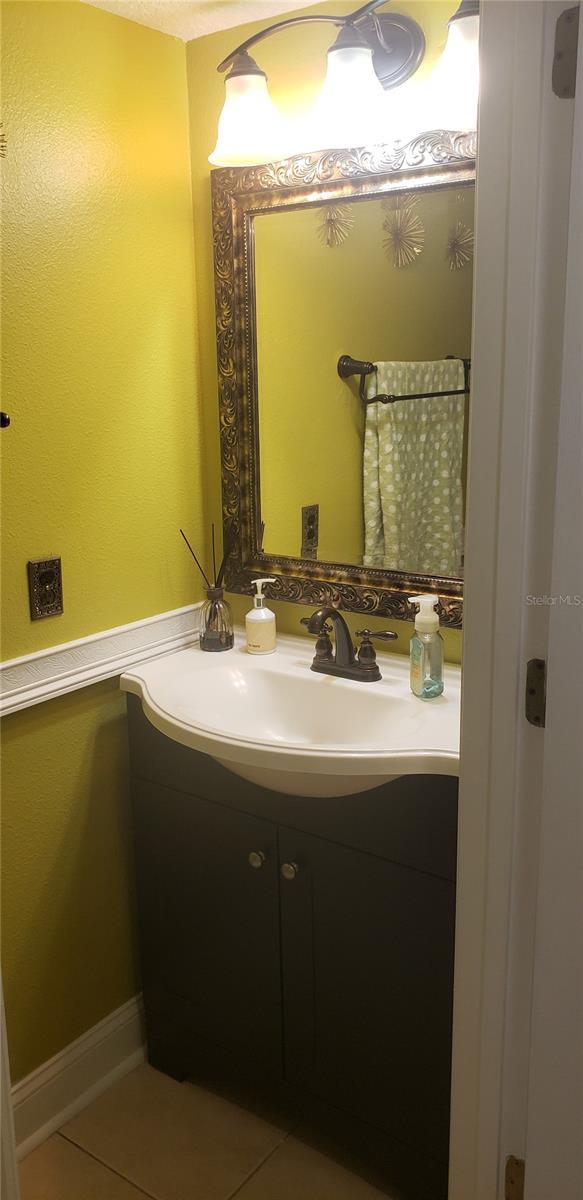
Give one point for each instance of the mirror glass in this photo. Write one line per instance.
(386, 280)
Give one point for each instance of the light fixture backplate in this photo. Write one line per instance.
(406, 42)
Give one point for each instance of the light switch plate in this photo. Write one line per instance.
(310, 523)
(45, 588)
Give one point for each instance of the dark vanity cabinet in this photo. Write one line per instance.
(209, 924)
(302, 947)
(367, 962)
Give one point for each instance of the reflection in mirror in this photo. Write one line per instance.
(388, 281)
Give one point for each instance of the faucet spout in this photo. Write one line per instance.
(344, 656)
(345, 662)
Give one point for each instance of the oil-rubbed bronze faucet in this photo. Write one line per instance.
(344, 661)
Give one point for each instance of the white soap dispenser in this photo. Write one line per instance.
(260, 622)
(426, 650)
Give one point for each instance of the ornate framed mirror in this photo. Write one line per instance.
(343, 285)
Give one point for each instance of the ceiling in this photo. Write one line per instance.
(188, 19)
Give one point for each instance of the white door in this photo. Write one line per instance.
(554, 1147)
(522, 232)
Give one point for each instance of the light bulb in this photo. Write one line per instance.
(351, 109)
(250, 129)
(454, 83)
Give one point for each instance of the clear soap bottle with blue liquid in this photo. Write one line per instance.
(426, 650)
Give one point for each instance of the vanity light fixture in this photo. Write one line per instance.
(455, 80)
(372, 52)
(349, 110)
(250, 127)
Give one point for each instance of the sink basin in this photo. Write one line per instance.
(271, 720)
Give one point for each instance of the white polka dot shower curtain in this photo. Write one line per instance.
(412, 470)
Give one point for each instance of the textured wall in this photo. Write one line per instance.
(102, 461)
(101, 464)
(295, 62)
(68, 945)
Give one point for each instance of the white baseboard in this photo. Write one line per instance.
(72, 665)
(60, 1088)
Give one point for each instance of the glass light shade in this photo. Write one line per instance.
(408, 110)
(351, 109)
(454, 83)
(250, 128)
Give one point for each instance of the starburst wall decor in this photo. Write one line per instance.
(460, 246)
(405, 238)
(399, 200)
(336, 223)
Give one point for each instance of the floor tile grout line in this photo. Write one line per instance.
(258, 1168)
(107, 1166)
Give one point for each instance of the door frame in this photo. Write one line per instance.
(522, 202)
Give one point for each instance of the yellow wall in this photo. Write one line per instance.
(102, 460)
(316, 302)
(101, 464)
(295, 61)
(68, 946)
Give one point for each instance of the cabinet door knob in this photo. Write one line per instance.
(289, 871)
(256, 859)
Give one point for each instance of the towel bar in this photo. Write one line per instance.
(348, 366)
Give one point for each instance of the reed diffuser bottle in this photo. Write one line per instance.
(216, 620)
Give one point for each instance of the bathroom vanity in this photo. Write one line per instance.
(296, 833)
(301, 947)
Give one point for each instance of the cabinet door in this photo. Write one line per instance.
(368, 981)
(209, 924)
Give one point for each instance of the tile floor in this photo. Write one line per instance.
(149, 1136)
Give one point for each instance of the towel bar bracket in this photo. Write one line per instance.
(348, 366)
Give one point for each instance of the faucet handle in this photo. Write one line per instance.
(366, 650)
(323, 642)
(384, 635)
(326, 627)
(324, 645)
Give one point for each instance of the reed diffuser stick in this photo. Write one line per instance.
(203, 573)
(227, 545)
(214, 559)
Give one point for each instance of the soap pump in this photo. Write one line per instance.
(260, 622)
(426, 650)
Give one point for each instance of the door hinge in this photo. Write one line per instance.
(565, 56)
(514, 1179)
(535, 698)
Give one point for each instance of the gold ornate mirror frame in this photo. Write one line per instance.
(434, 159)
